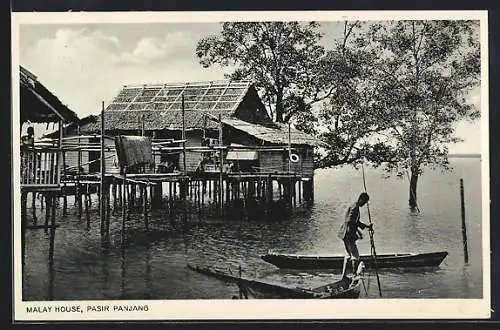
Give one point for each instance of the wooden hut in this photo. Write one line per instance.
(165, 111)
(41, 165)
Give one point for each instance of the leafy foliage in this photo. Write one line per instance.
(282, 58)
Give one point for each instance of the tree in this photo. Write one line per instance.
(350, 117)
(281, 57)
(426, 70)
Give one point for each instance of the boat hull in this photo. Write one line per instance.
(346, 288)
(285, 261)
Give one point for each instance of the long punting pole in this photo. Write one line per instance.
(102, 209)
(372, 241)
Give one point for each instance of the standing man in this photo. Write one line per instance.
(349, 231)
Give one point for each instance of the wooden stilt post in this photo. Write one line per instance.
(145, 208)
(120, 196)
(183, 136)
(102, 209)
(221, 161)
(47, 211)
(141, 196)
(33, 206)
(64, 192)
(87, 204)
(115, 201)
(24, 206)
(108, 210)
(78, 193)
(98, 188)
(51, 250)
(124, 206)
(300, 191)
(464, 227)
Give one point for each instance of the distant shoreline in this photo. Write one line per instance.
(464, 156)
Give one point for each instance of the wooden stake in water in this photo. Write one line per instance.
(102, 208)
(464, 228)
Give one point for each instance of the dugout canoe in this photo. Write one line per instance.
(393, 260)
(349, 287)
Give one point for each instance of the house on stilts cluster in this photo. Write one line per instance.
(215, 131)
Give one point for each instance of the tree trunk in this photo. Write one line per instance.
(413, 190)
(279, 107)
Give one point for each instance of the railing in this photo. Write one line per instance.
(40, 167)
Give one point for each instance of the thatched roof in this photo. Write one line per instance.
(160, 106)
(38, 104)
(275, 135)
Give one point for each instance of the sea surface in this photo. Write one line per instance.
(153, 265)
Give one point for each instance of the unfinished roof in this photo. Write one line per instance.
(204, 96)
(160, 105)
(276, 135)
(38, 104)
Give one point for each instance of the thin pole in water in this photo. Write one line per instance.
(464, 228)
(101, 196)
(372, 241)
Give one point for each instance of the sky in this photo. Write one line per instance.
(85, 64)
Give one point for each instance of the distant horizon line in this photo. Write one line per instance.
(465, 154)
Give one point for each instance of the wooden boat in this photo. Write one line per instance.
(291, 261)
(347, 287)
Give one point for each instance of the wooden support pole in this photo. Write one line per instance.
(115, 201)
(141, 196)
(52, 229)
(120, 196)
(203, 188)
(289, 148)
(145, 207)
(33, 207)
(78, 193)
(464, 227)
(124, 206)
(87, 204)
(24, 206)
(108, 210)
(221, 159)
(47, 211)
(64, 192)
(102, 209)
(183, 136)
(300, 191)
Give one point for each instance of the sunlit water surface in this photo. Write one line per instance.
(153, 265)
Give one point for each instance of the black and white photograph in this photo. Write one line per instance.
(224, 165)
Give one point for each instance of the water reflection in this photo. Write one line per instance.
(152, 265)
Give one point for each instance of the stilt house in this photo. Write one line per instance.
(41, 165)
(210, 114)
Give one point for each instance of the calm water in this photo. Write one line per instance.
(153, 266)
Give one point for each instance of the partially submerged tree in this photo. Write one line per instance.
(426, 70)
(405, 81)
(281, 57)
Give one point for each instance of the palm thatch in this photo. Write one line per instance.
(38, 104)
(275, 135)
(160, 106)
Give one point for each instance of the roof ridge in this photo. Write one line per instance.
(191, 83)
